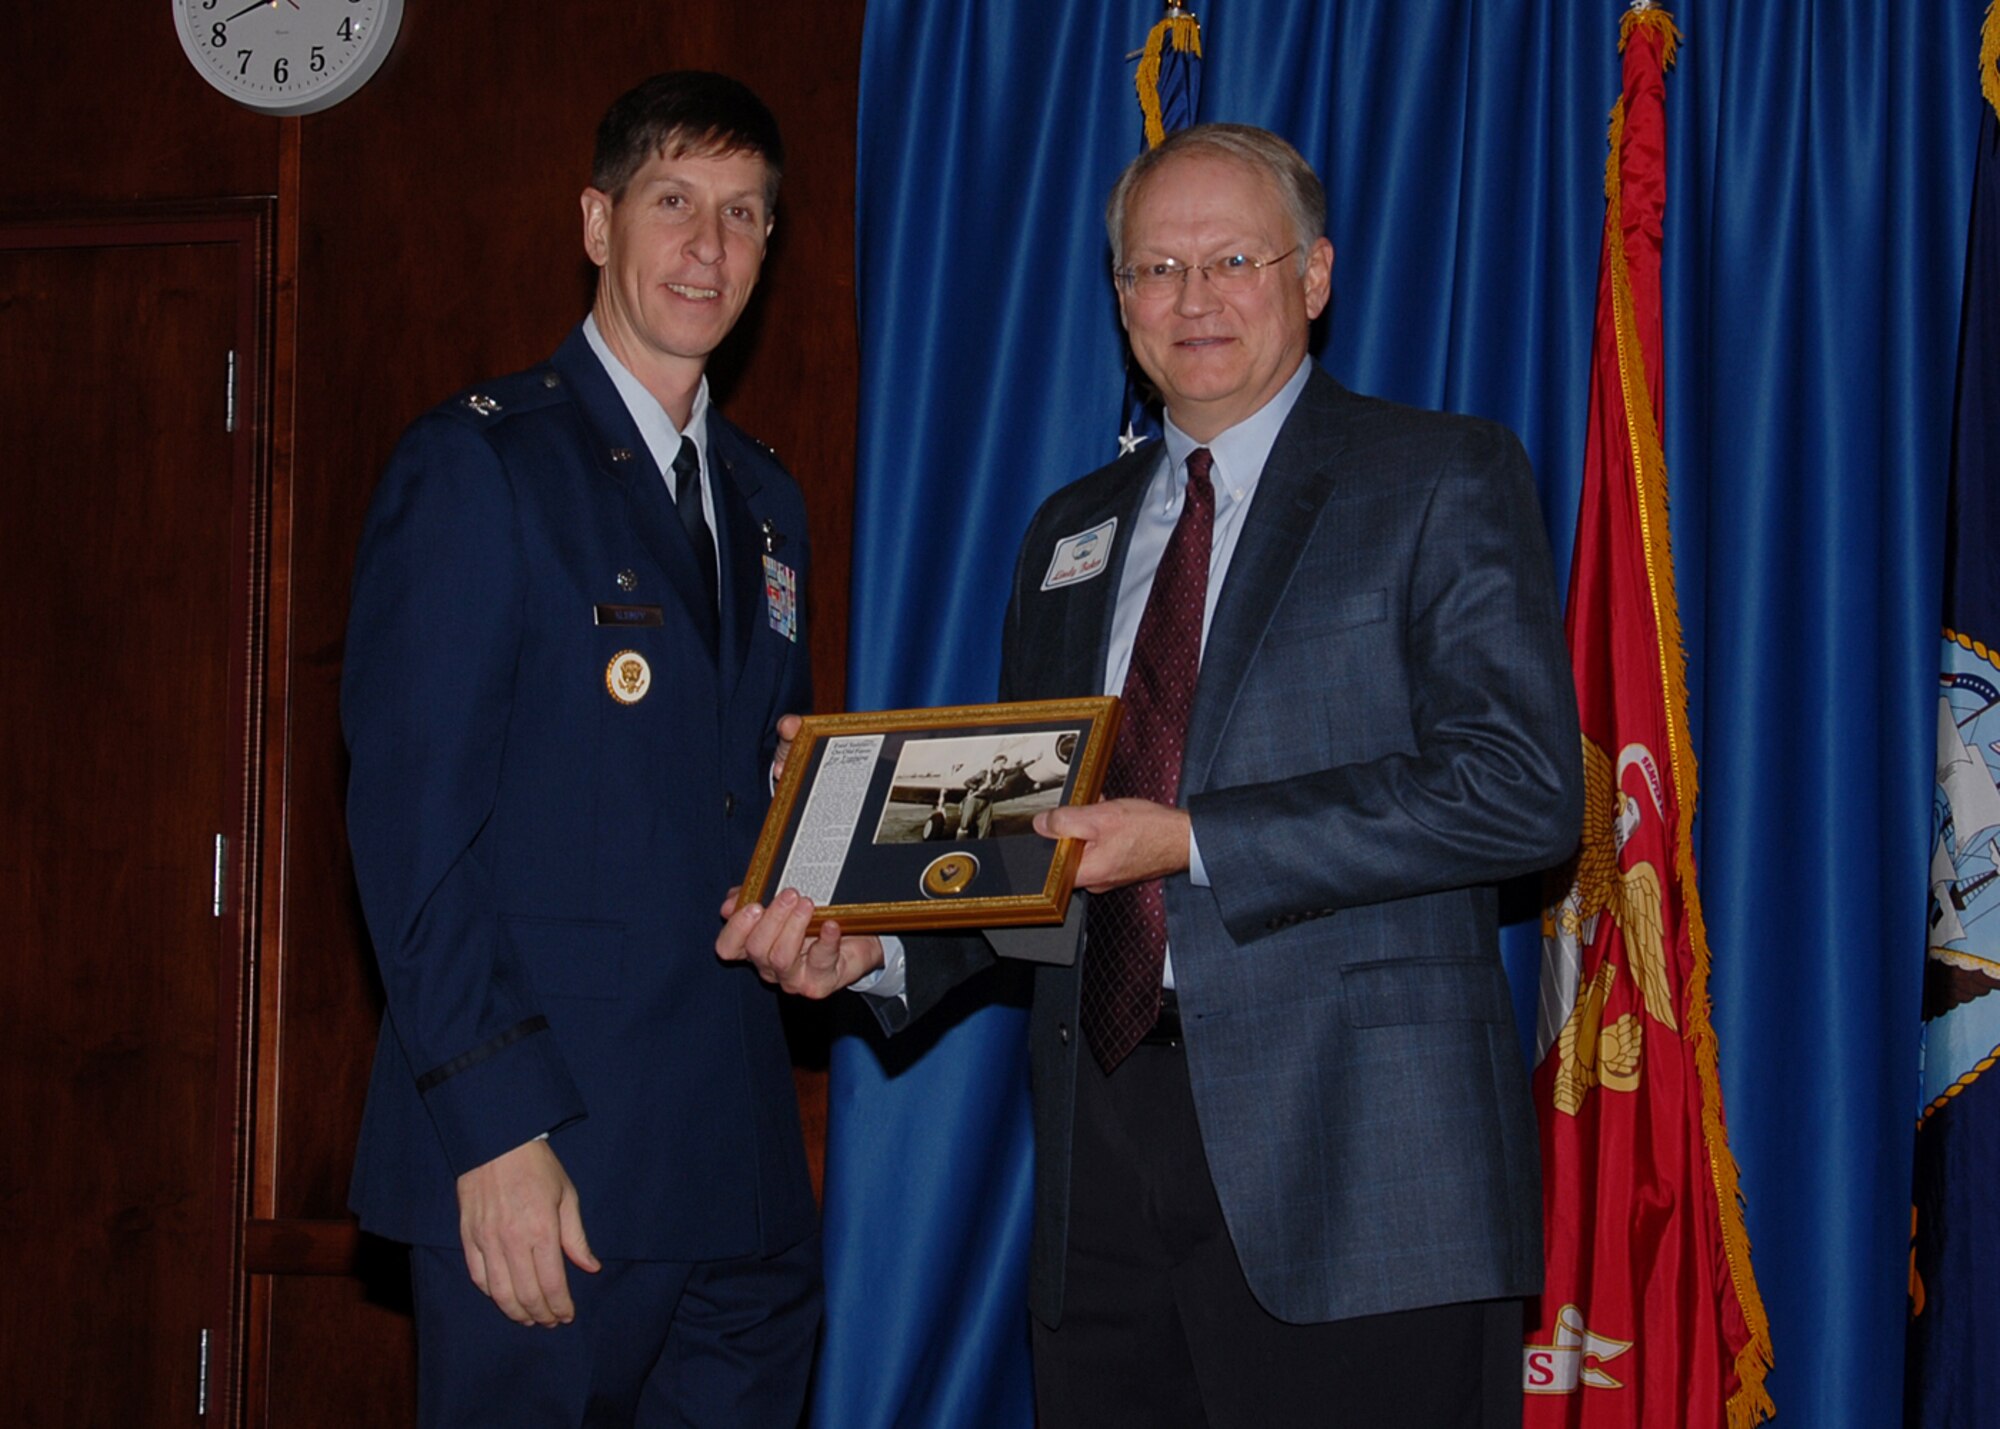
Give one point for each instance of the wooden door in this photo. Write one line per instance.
(128, 572)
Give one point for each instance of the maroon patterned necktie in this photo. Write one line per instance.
(1126, 948)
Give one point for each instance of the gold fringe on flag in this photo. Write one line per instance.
(1183, 31)
(1751, 1404)
(1645, 17)
(1989, 57)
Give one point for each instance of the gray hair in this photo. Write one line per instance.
(1297, 185)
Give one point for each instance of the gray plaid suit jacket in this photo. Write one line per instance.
(1384, 728)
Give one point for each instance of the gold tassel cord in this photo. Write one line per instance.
(1989, 57)
(1181, 30)
(1751, 1403)
(1661, 24)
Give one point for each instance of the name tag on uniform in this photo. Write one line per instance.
(1081, 556)
(628, 615)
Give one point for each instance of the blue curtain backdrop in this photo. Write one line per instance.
(1819, 180)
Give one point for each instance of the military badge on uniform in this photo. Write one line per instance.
(628, 677)
(781, 597)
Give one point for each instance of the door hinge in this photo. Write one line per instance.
(201, 1380)
(218, 890)
(229, 396)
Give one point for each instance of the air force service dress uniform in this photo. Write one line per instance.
(560, 761)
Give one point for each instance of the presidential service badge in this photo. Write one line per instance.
(1079, 557)
(781, 596)
(628, 677)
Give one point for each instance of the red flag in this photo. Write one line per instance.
(1650, 1315)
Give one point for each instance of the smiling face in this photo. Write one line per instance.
(1218, 357)
(678, 253)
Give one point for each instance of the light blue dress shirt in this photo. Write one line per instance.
(1239, 455)
(656, 428)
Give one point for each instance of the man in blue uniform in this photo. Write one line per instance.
(574, 630)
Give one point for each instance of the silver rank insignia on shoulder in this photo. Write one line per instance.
(484, 405)
(628, 677)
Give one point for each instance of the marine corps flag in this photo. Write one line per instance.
(1649, 1316)
(1952, 1379)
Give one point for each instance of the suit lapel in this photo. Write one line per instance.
(1085, 637)
(1298, 477)
(624, 459)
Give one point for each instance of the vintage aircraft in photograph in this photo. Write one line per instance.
(970, 777)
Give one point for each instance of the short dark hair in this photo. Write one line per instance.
(685, 111)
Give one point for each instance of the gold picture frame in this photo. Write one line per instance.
(920, 819)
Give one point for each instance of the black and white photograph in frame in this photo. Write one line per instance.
(975, 788)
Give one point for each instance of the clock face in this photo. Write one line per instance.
(287, 56)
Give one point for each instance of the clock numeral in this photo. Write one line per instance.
(217, 36)
(318, 62)
(346, 30)
(208, 4)
(280, 71)
(242, 62)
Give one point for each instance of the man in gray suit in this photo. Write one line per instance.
(1294, 1177)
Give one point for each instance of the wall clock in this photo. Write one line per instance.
(287, 56)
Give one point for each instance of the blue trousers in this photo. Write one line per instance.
(654, 1343)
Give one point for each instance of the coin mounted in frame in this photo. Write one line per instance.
(907, 820)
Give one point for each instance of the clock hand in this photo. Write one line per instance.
(254, 5)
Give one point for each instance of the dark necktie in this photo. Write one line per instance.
(687, 498)
(1125, 952)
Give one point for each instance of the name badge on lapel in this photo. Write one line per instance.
(781, 597)
(1079, 557)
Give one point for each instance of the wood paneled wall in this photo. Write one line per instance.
(427, 236)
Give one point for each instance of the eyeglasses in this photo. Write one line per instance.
(1233, 273)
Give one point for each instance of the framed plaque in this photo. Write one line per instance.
(922, 819)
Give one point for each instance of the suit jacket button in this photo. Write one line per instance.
(728, 806)
(1062, 1031)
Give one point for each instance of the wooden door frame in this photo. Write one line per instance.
(250, 224)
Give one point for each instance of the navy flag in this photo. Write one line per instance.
(1952, 1374)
